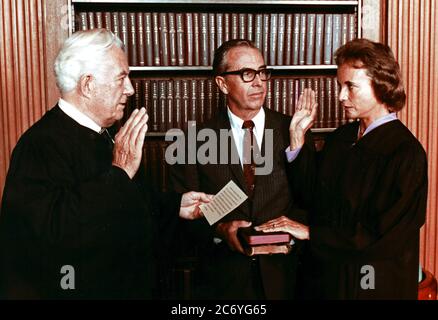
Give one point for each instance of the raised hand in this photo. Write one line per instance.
(190, 202)
(128, 144)
(228, 232)
(284, 224)
(303, 118)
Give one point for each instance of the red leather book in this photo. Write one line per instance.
(252, 237)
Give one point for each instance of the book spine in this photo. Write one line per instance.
(124, 33)
(210, 103)
(146, 100)
(310, 46)
(303, 34)
(204, 40)
(196, 40)
(352, 26)
(201, 101)
(154, 122)
(189, 39)
(288, 39)
(273, 39)
(172, 39)
(296, 39)
(328, 38)
(91, 24)
(268, 102)
(250, 27)
(337, 33)
(170, 106)
(185, 103)
(150, 42)
(321, 103)
(277, 105)
(258, 37)
(290, 97)
(227, 27)
(220, 29)
(234, 26)
(99, 19)
(344, 33)
(140, 39)
(83, 21)
(266, 37)
(132, 38)
(319, 38)
(329, 115)
(155, 38)
(164, 38)
(177, 120)
(162, 106)
(212, 36)
(194, 100)
(115, 23)
(180, 39)
(107, 21)
(280, 38)
(242, 26)
(283, 96)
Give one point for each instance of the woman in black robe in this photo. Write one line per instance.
(366, 190)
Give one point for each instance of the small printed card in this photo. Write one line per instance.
(225, 201)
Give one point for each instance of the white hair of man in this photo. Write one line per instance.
(83, 53)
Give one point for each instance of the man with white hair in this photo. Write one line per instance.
(74, 222)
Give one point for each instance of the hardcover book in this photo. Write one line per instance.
(252, 237)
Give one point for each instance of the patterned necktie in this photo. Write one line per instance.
(248, 156)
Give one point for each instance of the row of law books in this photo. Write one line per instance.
(189, 39)
(173, 103)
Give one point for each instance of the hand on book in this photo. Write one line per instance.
(190, 202)
(303, 118)
(296, 229)
(228, 232)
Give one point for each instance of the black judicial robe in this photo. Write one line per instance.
(368, 202)
(65, 204)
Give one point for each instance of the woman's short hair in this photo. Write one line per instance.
(84, 52)
(220, 61)
(381, 67)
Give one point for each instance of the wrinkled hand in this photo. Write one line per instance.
(190, 202)
(128, 144)
(228, 232)
(303, 118)
(296, 229)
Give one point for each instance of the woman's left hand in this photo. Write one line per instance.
(296, 229)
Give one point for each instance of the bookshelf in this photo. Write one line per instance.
(170, 48)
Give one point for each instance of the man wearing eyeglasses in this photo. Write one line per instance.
(225, 271)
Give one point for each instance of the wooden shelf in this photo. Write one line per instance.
(204, 68)
(240, 2)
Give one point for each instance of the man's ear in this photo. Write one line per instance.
(221, 83)
(86, 85)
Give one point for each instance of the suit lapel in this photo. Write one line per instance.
(276, 137)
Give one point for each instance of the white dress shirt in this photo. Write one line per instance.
(238, 132)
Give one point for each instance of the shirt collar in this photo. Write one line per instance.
(259, 120)
(78, 116)
(382, 120)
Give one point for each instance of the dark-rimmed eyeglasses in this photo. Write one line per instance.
(248, 74)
